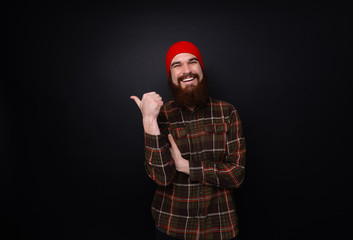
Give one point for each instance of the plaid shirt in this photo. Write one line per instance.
(199, 205)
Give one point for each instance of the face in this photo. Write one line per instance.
(187, 81)
(186, 71)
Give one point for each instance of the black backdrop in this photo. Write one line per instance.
(72, 142)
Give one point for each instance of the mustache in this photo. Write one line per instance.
(188, 75)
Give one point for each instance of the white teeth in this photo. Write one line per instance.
(188, 79)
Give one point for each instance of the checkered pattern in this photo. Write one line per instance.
(199, 206)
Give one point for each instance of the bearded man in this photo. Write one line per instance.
(194, 152)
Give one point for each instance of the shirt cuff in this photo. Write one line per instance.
(196, 171)
(155, 141)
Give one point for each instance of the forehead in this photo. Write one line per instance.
(183, 57)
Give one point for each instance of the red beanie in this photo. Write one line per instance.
(182, 47)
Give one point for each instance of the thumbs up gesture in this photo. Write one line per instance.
(150, 105)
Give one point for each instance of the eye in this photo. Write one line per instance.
(176, 65)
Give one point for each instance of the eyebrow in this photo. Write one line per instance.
(191, 59)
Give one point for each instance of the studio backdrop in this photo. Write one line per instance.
(73, 145)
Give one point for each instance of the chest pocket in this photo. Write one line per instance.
(180, 136)
(217, 128)
(178, 132)
(214, 142)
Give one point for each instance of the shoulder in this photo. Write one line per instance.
(227, 110)
(168, 105)
(222, 105)
(167, 109)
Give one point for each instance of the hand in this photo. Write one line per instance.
(181, 164)
(150, 104)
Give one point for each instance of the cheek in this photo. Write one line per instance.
(198, 70)
(201, 75)
(174, 76)
(174, 79)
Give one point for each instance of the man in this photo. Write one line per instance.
(194, 152)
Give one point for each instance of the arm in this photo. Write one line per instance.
(181, 164)
(159, 164)
(230, 172)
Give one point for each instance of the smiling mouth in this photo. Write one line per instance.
(188, 79)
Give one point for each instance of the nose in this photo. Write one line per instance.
(186, 69)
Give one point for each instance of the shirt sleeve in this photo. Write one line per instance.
(230, 172)
(159, 163)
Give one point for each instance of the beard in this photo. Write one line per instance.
(191, 96)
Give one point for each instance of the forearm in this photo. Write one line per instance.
(159, 163)
(229, 174)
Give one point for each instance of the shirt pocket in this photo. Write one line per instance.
(178, 132)
(214, 141)
(217, 128)
(180, 136)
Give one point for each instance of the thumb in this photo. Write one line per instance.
(137, 101)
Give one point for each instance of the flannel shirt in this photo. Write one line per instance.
(199, 205)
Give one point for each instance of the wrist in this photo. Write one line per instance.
(150, 125)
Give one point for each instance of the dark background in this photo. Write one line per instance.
(72, 140)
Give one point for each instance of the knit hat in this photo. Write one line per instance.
(182, 47)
